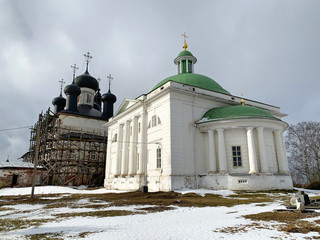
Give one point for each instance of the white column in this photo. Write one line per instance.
(262, 151)
(126, 139)
(108, 156)
(133, 147)
(117, 159)
(212, 153)
(222, 152)
(186, 65)
(280, 152)
(252, 151)
(142, 142)
(180, 66)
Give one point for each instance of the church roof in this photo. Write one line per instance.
(195, 80)
(235, 112)
(185, 53)
(86, 80)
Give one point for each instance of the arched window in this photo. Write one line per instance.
(114, 139)
(155, 121)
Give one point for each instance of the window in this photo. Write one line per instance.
(72, 154)
(155, 120)
(115, 138)
(189, 67)
(158, 157)
(139, 127)
(88, 98)
(236, 156)
(93, 156)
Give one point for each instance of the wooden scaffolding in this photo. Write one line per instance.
(69, 156)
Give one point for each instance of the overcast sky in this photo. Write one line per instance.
(268, 50)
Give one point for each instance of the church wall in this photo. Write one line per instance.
(159, 136)
(237, 137)
(271, 151)
(256, 143)
(201, 152)
(79, 122)
(188, 151)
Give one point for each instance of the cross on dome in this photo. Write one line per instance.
(110, 78)
(75, 68)
(184, 45)
(61, 85)
(88, 57)
(242, 100)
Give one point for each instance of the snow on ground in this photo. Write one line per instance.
(179, 223)
(202, 192)
(53, 190)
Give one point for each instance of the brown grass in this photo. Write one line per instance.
(9, 224)
(107, 213)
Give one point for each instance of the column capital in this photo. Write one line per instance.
(220, 130)
(249, 128)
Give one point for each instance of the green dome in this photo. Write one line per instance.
(195, 80)
(235, 112)
(185, 53)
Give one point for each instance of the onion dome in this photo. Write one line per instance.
(59, 101)
(109, 97)
(235, 112)
(97, 106)
(72, 89)
(86, 80)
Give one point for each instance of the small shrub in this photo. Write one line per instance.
(314, 185)
(2, 184)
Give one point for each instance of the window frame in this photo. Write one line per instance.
(236, 156)
(158, 157)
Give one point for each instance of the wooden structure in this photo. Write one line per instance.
(70, 155)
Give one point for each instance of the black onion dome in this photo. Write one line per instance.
(109, 97)
(86, 80)
(59, 101)
(72, 89)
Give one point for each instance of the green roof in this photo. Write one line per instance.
(235, 112)
(195, 80)
(185, 53)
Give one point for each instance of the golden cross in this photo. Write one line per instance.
(184, 36)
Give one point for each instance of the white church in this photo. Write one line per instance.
(189, 132)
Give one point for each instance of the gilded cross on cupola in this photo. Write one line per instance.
(88, 57)
(184, 45)
(61, 85)
(75, 68)
(110, 78)
(242, 100)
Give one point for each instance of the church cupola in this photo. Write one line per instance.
(108, 100)
(185, 60)
(88, 84)
(72, 91)
(59, 102)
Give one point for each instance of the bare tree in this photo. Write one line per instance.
(303, 147)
